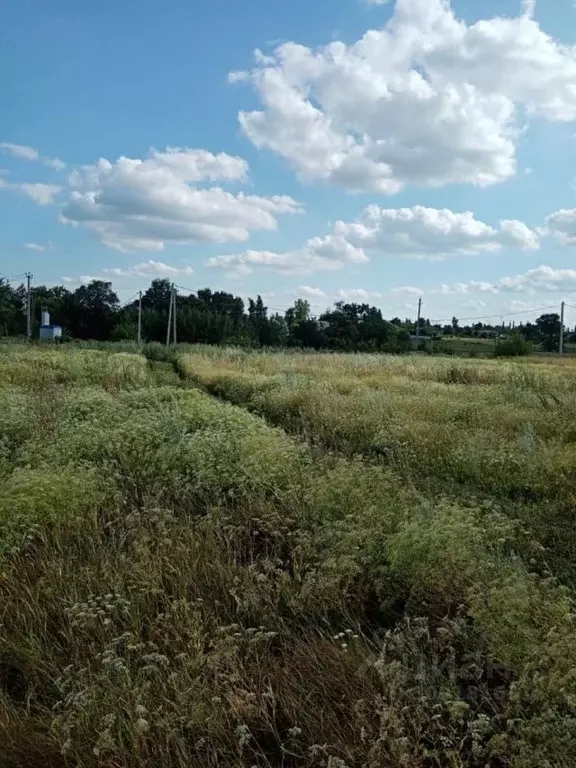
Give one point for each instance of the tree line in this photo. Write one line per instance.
(93, 311)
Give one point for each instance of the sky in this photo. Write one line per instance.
(364, 150)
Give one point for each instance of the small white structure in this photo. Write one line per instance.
(49, 332)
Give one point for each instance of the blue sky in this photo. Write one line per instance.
(367, 150)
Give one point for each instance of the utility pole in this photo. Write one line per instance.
(418, 321)
(174, 338)
(561, 348)
(168, 329)
(139, 317)
(29, 277)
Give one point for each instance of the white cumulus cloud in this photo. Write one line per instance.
(426, 100)
(149, 268)
(43, 194)
(416, 232)
(311, 292)
(406, 290)
(432, 233)
(562, 225)
(317, 255)
(357, 294)
(22, 152)
(136, 204)
(542, 279)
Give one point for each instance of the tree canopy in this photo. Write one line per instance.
(93, 311)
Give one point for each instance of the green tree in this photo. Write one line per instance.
(158, 295)
(8, 309)
(530, 332)
(278, 334)
(549, 327)
(94, 308)
(357, 326)
(258, 321)
(298, 314)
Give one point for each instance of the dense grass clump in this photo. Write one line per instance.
(184, 584)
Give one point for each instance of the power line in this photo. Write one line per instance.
(436, 322)
(130, 300)
(498, 314)
(15, 279)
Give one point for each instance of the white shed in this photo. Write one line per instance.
(50, 332)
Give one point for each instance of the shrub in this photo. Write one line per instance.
(513, 346)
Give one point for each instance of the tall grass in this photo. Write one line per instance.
(503, 431)
(183, 584)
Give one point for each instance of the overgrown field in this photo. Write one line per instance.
(374, 567)
(499, 431)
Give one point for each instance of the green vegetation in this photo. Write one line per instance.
(93, 313)
(501, 430)
(514, 346)
(185, 583)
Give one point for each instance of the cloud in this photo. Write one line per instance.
(528, 8)
(43, 194)
(21, 152)
(319, 254)
(474, 286)
(40, 247)
(432, 233)
(149, 268)
(357, 294)
(406, 290)
(562, 225)
(79, 280)
(416, 232)
(426, 100)
(137, 204)
(516, 234)
(542, 279)
(310, 292)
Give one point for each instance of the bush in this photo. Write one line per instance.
(514, 346)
